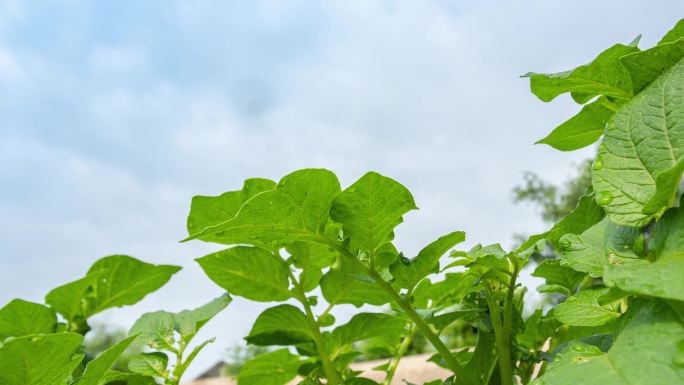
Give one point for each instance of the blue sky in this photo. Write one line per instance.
(114, 114)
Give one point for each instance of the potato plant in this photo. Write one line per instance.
(307, 245)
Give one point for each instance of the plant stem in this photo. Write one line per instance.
(328, 368)
(502, 328)
(403, 347)
(179, 365)
(444, 352)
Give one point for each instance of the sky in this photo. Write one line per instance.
(114, 114)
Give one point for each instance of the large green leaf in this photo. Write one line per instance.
(370, 209)
(339, 288)
(297, 210)
(46, 359)
(155, 329)
(408, 273)
(189, 322)
(19, 318)
(96, 370)
(603, 76)
(582, 129)
(117, 280)
(280, 325)
(644, 139)
(667, 237)
(274, 368)
(364, 326)
(207, 211)
(248, 272)
(583, 309)
(644, 352)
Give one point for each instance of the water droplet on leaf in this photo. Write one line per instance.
(598, 164)
(604, 197)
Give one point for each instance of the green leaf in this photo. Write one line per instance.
(603, 245)
(583, 309)
(96, 370)
(364, 326)
(644, 352)
(280, 325)
(156, 330)
(666, 184)
(339, 288)
(646, 66)
(538, 329)
(274, 368)
(297, 210)
(645, 138)
(582, 129)
(248, 272)
(207, 211)
(676, 33)
(46, 359)
(408, 273)
(19, 318)
(667, 237)
(149, 364)
(189, 322)
(662, 278)
(114, 377)
(559, 278)
(113, 281)
(585, 215)
(603, 76)
(370, 209)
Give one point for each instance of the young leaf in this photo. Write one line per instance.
(19, 318)
(339, 288)
(189, 322)
(297, 210)
(46, 359)
(280, 325)
(274, 368)
(582, 129)
(603, 76)
(583, 309)
(370, 209)
(644, 352)
(248, 272)
(113, 281)
(408, 273)
(97, 369)
(645, 138)
(207, 211)
(156, 330)
(149, 364)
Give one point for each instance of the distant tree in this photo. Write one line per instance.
(554, 202)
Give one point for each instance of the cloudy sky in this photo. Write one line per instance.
(114, 114)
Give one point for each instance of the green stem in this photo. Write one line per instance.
(177, 369)
(444, 352)
(328, 368)
(502, 328)
(403, 347)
